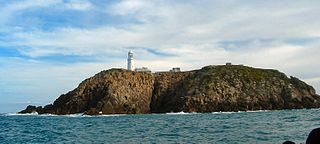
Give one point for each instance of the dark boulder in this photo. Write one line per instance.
(29, 109)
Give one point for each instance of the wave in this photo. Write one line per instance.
(220, 112)
(224, 112)
(232, 112)
(115, 115)
(54, 115)
(112, 115)
(19, 114)
(180, 113)
(259, 111)
(82, 115)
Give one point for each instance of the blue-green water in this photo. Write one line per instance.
(241, 127)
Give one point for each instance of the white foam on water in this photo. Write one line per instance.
(180, 113)
(42, 115)
(19, 114)
(74, 115)
(69, 115)
(111, 115)
(116, 115)
(260, 111)
(84, 115)
(48, 115)
(224, 112)
(255, 111)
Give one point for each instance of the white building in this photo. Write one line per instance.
(176, 69)
(130, 61)
(143, 69)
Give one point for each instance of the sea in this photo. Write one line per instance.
(261, 127)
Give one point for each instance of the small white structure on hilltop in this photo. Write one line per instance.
(130, 61)
(143, 69)
(175, 69)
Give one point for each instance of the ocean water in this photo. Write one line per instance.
(230, 127)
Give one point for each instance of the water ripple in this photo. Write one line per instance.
(236, 127)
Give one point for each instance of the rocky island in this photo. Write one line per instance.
(210, 89)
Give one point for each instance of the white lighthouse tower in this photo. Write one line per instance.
(130, 62)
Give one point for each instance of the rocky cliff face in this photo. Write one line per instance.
(212, 88)
(166, 86)
(108, 92)
(237, 88)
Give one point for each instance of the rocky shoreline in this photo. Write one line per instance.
(210, 89)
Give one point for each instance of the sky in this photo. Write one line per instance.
(47, 47)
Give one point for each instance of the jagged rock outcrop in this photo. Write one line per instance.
(237, 88)
(166, 85)
(212, 88)
(108, 92)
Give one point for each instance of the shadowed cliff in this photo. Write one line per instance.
(231, 88)
(210, 89)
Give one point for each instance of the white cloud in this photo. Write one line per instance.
(167, 24)
(79, 5)
(193, 33)
(42, 82)
(8, 10)
(126, 7)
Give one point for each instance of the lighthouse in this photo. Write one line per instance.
(130, 62)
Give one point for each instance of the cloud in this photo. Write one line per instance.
(82, 5)
(41, 81)
(30, 15)
(14, 6)
(187, 23)
(56, 44)
(126, 7)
